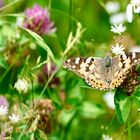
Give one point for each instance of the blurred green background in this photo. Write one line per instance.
(81, 112)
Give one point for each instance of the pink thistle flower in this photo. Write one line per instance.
(37, 19)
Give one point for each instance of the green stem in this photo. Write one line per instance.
(32, 91)
(132, 125)
(49, 5)
(70, 14)
(5, 73)
(111, 123)
(129, 129)
(9, 5)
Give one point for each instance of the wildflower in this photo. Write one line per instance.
(14, 118)
(109, 99)
(106, 137)
(118, 29)
(133, 6)
(117, 18)
(20, 20)
(43, 109)
(118, 49)
(3, 135)
(47, 71)
(1, 3)
(37, 19)
(112, 6)
(21, 85)
(3, 101)
(135, 49)
(3, 110)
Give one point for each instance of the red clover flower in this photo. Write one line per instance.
(37, 19)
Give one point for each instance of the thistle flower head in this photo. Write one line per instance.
(37, 19)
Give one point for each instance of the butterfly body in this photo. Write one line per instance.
(103, 73)
(107, 61)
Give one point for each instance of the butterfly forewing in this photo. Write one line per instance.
(74, 64)
(82, 66)
(88, 68)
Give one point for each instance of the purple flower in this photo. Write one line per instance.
(37, 19)
(2, 135)
(1, 3)
(4, 102)
(46, 72)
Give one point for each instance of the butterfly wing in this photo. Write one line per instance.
(88, 68)
(81, 66)
(121, 65)
(93, 70)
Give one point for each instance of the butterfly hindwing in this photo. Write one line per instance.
(124, 63)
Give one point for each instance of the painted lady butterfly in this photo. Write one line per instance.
(103, 74)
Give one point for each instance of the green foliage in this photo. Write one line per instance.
(53, 103)
(122, 105)
(90, 110)
(137, 97)
(3, 63)
(41, 42)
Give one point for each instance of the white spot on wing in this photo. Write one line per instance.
(73, 66)
(77, 60)
(68, 60)
(133, 55)
(124, 57)
(88, 60)
(127, 63)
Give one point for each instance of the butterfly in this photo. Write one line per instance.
(103, 73)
